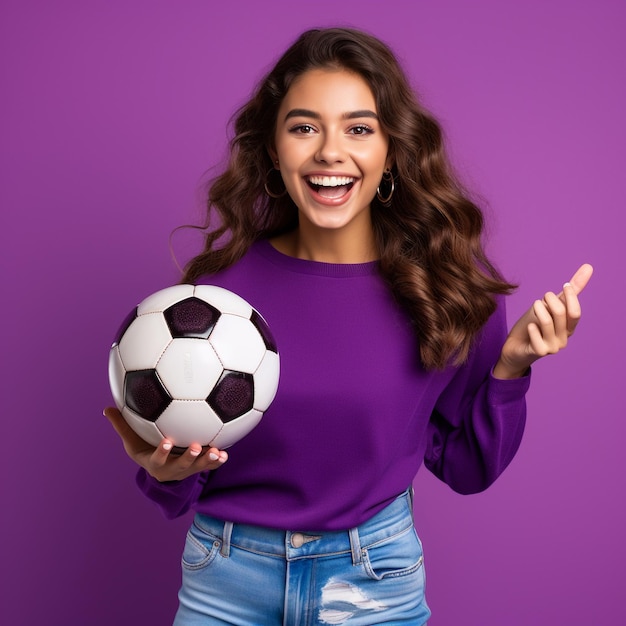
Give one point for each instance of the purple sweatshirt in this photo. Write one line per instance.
(355, 414)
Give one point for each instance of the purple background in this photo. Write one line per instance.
(111, 113)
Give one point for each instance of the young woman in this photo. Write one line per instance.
(340, 220)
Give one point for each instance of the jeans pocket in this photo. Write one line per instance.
(400, 555)
(201, 548)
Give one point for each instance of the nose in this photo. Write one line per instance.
(330, 149)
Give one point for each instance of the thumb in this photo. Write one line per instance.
(119, 423)
(133, 443)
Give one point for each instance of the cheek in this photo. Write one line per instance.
(290, 151)
(374, 159)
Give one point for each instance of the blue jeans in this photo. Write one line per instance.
(253, 576)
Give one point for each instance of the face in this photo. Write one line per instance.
(331, 150)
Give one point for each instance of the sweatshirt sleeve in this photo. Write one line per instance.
(174, 498)
(478, 421)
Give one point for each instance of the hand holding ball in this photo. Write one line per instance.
(195, 364)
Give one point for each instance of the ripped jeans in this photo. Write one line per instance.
(253, 576)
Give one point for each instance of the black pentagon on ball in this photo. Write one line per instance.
(232, 396)
(192, 317)
(128, 320)
(145, 395)
(264, 330)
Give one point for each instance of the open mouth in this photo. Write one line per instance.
(330, 186)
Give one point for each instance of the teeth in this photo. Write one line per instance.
(330, 181)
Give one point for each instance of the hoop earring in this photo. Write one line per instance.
(268, 191)
(387, 179)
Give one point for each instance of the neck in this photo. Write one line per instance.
(328, 247)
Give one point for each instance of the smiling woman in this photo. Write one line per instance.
(331, 152)
(428, 243)
(369, 268)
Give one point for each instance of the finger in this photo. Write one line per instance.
(116, 419)
(188, 457)
(546, 326)
(580, 279)
(543, 316)
(121, 426)
(136, 448)
(211, 459)
(558, 312)
(572, 305)
(214, 454)
(537, 346)
(161, 454)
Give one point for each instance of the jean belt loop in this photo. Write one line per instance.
(226, 533)
(412, 501)
(355, 546)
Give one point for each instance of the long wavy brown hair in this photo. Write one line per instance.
(429, 239)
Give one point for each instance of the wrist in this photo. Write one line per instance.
(505, 371)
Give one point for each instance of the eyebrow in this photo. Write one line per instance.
(316, 116)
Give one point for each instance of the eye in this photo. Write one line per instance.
(302, 129)
(361, 129)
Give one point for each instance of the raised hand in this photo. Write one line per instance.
(544, 329)
(159, 462)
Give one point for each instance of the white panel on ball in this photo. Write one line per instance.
(147, 430)
(238, 343)
(224, 300)
(266, 381)
(189, 369)
(237, 429)
(187, 422)
(163, 299)
(116, 376)
(144, 342)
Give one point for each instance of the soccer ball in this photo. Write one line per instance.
(195, 364)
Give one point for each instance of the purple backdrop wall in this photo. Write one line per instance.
(112, 111)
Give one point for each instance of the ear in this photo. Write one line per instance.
(391, 159)
(274, 156)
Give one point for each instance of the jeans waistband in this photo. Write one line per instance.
(394, 519)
